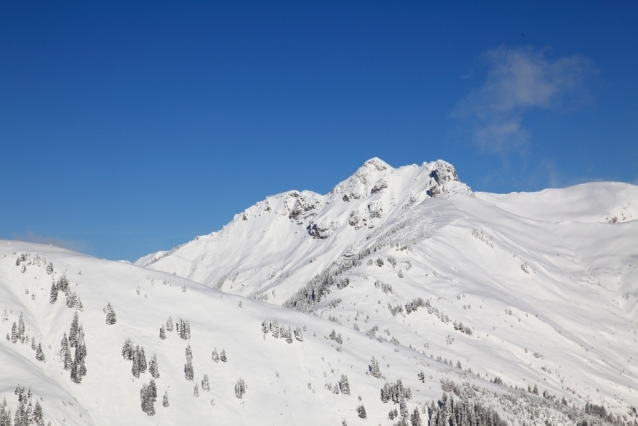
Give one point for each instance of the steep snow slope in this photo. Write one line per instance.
(287, 381)
(546, 283)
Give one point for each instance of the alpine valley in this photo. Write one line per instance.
(400, 297)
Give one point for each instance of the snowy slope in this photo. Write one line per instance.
(546, 282)
(287, 382)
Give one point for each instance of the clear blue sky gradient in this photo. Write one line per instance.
(130, 127)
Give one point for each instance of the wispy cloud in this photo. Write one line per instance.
(519, 80)
(31, 237)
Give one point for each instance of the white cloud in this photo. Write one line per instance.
(519, 80)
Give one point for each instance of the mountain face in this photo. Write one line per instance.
(536, 288)
(399, 298)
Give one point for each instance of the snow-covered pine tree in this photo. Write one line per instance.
(127, 350)
(165, 399)
(274, 327)
(205, 383)
(162, 333)
(240, 388)
(298, 334)
(415, 418)
(289, 335)
(73, 333)
(169, 324)
(65, 353)
(78, 367)
(49, 268)
(196, 390)
(374, 369)
(110, 314)
(142, 360)
(38, 415)
(188, 367)
(153, 368)
(361, 411)
(135, 368)
(14, 332)
(215, 355)
(264, 326)
(21, 329)
(403, 408)
(5, 414)
(148, 395)
(222, 356)
(53, 295)
(39, 355)
(184, 329)
(63, 284)
(344, 386)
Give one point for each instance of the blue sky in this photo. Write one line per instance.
(130, 127)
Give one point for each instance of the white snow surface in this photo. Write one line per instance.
(545, 286)
(547, 281)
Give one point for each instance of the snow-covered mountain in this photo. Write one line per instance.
(544, 284)
(401, 297)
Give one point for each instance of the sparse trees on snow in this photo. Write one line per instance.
(215, 355)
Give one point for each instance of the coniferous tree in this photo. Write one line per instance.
(21, 329)
(215, 355)
(38, 415)
(169, 324)
(165, 399)
(53, 297)
(361, 411)
(65, 353)
(298, 334)
(33, 346)
(188, 367)
(135, 368)
(162, 333)
(49, 268)
(196, 390)
(14, 332)
(275, 329)
(344, 386)
(39, 355)
(152, 367)
(240, 388)
(148, 395)
(264, 327)
(74, 330)
(128, 350)
(5, 414)
(374, 368)
(184, 329)
(222, 356)
(63, 284)
(205, 383)
(110, 314)
(142, 360)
